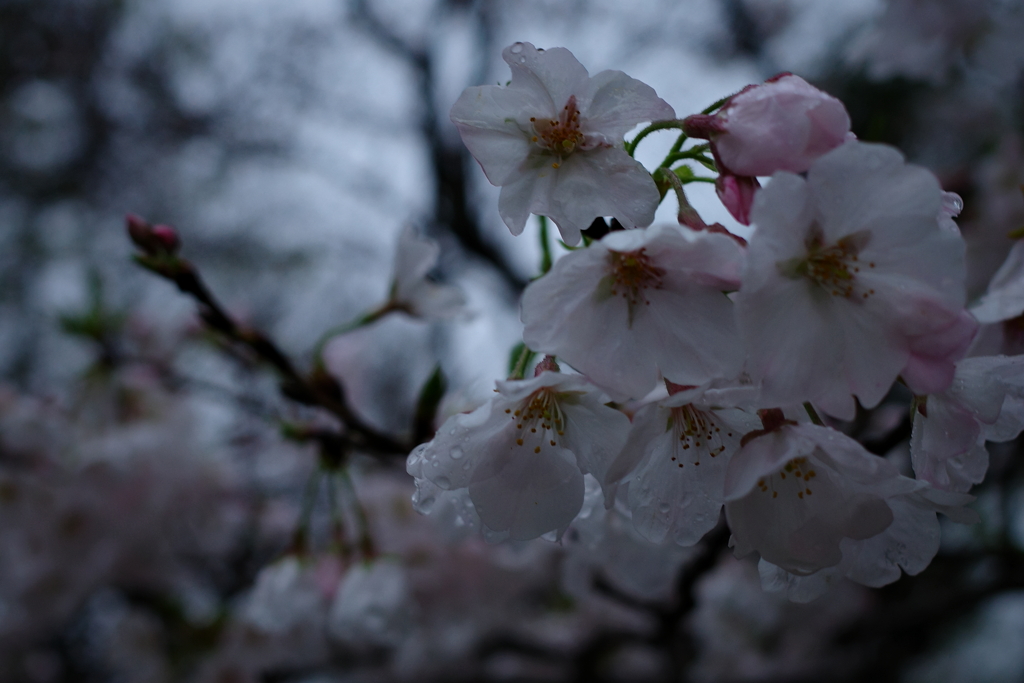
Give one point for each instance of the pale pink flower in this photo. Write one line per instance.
(675, 462)
(795, 493)
(985, 402)
(638, 305)
(411, 291)
(553, 141)
(847, 271)
(908, 544)
(522, 455)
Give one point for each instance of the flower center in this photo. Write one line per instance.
(834, 267)
(632, 274)
(559, 137)
(794, 479)
(697, 433)
(539, 417)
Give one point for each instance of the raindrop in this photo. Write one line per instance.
(443, 482)
(664, 508)
(522, 60)
(517, 48)
(457, 453)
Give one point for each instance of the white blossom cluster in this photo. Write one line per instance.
(685, 368)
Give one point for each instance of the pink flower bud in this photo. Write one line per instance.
(782, 125)
(737, 194)
(139, 230)
(167, 237)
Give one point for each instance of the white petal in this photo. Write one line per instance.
(617, 103)
(527, 494)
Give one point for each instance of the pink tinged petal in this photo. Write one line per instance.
(796, 588)
(677, 490)
(801, 532)
(572, 313)
(601, 182)
(517, 198)
(594, 432)
(946, 448)
(933, 356)
(618, 103)
(859, 185)
(414, 257)
(1005, 297)
(803, 535)
(527, 494)
(737, 194)
(910, 543)
(556, 72)
(488, 119)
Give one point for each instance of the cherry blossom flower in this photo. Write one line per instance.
(603, 543)
(794, 493)
(411, 291)
(373, 606)
(552, 140)
(846, 272)
(675, 462)
(908, 544)
(639, 303)
(522, 455)
(985, 401)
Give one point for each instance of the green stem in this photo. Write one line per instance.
(657, 125)
(303, 533)
(545, 246)
(717, 105)
(813, 414)
(362, 321)
(337, 522)
(366, 546)
(695, 153)
(688, 216)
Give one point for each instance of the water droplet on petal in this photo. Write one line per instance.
(664, 508)
(443, 482)
(457, 453)
(522, 60)
(517, 48)
(952, 204)
(452, 431)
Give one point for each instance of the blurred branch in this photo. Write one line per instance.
(449, 161)
(318, 389)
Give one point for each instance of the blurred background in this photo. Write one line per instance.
(147, 497)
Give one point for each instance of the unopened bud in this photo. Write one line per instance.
(140, 231)
(167, 237)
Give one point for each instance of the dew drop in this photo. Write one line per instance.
(443, 482)
(517, 48)
(451, 431)
(457, 453)
(522, 60)
(664, 508)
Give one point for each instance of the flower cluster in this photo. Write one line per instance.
(692, 365)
